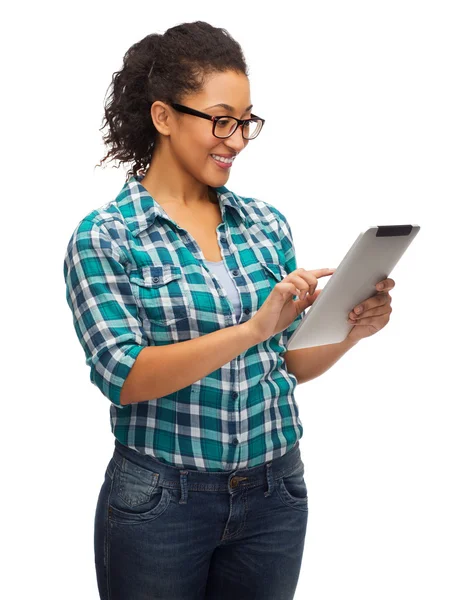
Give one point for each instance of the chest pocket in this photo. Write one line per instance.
(161, 293)
(271, 274)
(274, 273)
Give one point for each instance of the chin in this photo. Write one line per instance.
(219, 179)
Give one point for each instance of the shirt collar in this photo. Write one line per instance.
(140, 210)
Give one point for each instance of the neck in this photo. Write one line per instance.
(168, 183)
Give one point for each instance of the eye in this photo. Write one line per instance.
(224, 122)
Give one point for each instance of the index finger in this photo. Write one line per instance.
(314, 273)
(322, 272)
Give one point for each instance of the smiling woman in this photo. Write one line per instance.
(174, 79)
(164, 283)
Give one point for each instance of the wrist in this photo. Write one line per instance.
(349, 342)
(251, 333)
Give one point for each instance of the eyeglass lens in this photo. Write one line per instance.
(226, 127)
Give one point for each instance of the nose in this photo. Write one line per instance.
(236, 141)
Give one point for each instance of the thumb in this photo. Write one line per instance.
(307, 301)
(310, 298)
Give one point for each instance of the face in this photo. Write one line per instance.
(191, 138)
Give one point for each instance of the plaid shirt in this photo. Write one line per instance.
(134, 278)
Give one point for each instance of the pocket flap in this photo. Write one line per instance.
(275, 269)
(155, 275)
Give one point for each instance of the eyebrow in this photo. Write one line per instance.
(228, 107)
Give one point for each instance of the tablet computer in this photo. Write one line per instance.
(370, 259)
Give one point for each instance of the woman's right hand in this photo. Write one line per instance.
(279, 309)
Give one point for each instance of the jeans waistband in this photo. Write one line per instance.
(215, 481)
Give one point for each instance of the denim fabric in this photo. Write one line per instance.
(167, 533)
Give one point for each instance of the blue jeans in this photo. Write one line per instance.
(166, 533)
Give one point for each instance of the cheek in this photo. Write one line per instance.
(202, 147)
(202, 138)
(194, 152)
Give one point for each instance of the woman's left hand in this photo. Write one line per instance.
(375, 313)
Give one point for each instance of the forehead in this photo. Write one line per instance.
(228, 91)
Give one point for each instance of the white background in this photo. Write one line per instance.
(364, 109)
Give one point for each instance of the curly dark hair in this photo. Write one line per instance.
(162, 67)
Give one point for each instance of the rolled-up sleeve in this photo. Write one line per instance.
(105, 316)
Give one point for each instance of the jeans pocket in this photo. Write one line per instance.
(136, 494)
(292, 488)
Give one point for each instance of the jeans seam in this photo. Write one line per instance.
(107, 539)
(297, 505)
(288, 471)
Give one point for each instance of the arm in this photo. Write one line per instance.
(309, 363)
(162, 370)
(122, 364)
(305, 363)
(105, 317)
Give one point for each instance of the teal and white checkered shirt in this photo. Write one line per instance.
(134, 278)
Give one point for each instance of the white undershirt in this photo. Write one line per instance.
(227, 282)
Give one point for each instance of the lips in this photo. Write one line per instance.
(220, 164)
(226, 156)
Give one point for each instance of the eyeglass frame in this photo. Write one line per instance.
(196, 113)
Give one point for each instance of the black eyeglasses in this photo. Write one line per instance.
(225, 126)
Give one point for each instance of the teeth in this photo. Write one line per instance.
(222, 159)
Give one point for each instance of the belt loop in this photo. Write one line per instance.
(270, 479)
(183, 487)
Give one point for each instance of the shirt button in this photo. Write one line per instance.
(234, 395)
(246, 311)
(155, 279)
(235, 441)
(235, 272)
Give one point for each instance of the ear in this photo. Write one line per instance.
(161, 117)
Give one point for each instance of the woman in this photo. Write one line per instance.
(182, 298)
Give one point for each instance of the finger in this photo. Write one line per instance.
(310, 278)
(373, 314)
(306, 284)
(385, 284)
(378, 320)
(380, 299)
(315, 272)
(322, 272)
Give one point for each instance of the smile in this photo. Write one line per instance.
(222, 162)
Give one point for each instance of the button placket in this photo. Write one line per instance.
(234, 273)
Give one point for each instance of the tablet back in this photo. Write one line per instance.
(371, 258)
